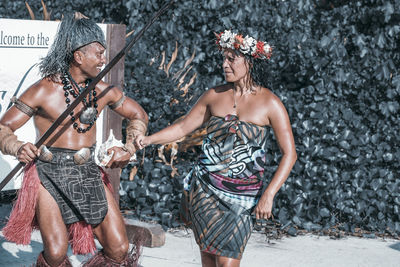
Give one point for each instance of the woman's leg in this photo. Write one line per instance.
(207, 259)
(227, 262)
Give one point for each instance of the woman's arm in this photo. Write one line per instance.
(198, 115)
(280, 123)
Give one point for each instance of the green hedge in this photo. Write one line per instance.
(335, 66)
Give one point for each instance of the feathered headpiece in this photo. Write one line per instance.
(73, 33)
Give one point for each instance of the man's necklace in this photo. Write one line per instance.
(89, 114)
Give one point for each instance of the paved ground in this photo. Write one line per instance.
(180, 250)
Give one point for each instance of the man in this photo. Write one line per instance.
(70, 200)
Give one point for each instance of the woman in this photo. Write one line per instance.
(225, 186)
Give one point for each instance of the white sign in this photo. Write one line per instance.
(22, 44)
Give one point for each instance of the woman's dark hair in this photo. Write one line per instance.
(259, 71)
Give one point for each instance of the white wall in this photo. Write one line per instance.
(22, 44)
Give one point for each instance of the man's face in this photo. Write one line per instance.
(92, 59)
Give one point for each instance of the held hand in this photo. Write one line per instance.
(119, 159)
(27, 153)
(263, 209)
(141, 141)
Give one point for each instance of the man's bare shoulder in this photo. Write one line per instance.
(108, 92)
(103, 85)
(43, 84)
(41, 90)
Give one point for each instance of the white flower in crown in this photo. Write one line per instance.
(267, 48)
(227, 39)
(248, 46)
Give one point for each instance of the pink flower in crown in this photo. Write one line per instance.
(247, 45)
(259, 49)
(238, 41)
(218, 35)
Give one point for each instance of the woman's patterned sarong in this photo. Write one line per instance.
(226, 184)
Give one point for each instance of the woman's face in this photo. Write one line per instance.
(236, 67)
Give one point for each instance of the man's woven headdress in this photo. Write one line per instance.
(73, 33)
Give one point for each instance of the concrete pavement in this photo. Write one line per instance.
(180, 250)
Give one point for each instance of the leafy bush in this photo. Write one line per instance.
(335, 66)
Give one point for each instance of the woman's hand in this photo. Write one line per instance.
(263, 209)
(141, 141)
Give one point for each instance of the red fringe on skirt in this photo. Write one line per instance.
(22, 219)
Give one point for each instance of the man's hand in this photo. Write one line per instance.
(27, 153)
(119, 159)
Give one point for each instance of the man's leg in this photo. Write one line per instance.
(52, 228)
(111, 232)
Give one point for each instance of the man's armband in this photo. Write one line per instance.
(133, 128)
(118, 103)
(9, 144)
(23, 107)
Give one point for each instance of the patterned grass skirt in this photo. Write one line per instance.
(218, 229)
(77, 189)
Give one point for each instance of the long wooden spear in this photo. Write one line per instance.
(91, 85)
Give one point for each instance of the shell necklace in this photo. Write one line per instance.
(89, 114)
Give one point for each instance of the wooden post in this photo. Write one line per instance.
(152, 235)
(115, 42)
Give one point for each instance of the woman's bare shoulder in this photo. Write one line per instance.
(269, 97)
(273, 104)
(219, 89)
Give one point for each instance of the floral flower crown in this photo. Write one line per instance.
(247, 45)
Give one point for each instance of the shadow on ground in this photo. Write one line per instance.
(12, 255)
(395, 246)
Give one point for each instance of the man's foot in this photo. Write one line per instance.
(101, 259)
(41, 262)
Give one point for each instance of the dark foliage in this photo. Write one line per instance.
(335, 66)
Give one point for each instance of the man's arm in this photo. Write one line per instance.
(137, 124)
(22, 110)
